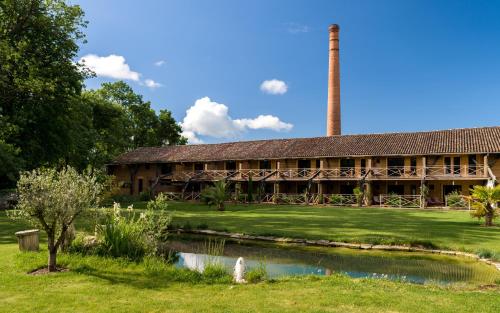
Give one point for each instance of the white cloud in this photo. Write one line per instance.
(295, 28)
(112, 66)
(264, 122)
(160, 63)
(152, 84)
(209, 118)
(274, 87)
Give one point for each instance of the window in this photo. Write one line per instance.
(456, 166)
(397, 189)
(363, 167)
(347, 163)
(447, 189)
(472, 164)
(447, 165)
(166, 169)
(413, 166)
(318, 163)
(140, 185)
(304, 164)
(199, 167)
(395, 166)
(231, 165)
(147, 166)
(347, 167)
(265, 165)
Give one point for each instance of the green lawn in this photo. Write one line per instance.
(445, 229)
(96, 284)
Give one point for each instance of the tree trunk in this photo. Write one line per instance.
(220, 206)
(52, 260)
(488, 218)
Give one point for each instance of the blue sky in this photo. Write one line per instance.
(405, 65)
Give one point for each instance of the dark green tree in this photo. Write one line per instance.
(123, 121)
(38, 80)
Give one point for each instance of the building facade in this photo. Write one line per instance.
(396, 169)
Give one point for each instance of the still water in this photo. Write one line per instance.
(285, 260)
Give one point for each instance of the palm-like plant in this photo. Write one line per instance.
(486, 199)
(216, 194)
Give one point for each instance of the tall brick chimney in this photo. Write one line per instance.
(333, 116)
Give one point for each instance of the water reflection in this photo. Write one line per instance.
(293, 260)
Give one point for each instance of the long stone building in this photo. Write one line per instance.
(402, 169)
(384, 164)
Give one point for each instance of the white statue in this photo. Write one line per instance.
(239, 271)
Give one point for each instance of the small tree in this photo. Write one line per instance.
(486, 198)
(359, 194)
(216, 194)
(52, 200)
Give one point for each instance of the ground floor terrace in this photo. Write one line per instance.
(393, 193)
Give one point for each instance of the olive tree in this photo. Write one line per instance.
(51, 200)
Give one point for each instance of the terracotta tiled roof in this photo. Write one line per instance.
(460, 141)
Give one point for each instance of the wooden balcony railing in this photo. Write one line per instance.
(452, 171)
(393, 172)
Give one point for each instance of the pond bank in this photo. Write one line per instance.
(328, 243)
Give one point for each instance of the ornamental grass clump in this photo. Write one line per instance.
(134, 236)
(257, 274)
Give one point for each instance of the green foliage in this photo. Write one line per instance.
(258, 274)
(202, 226)
(51, 200)
(485, 199)
(38, 82)
(216, 273)
(118, 114)
(358, 193)
(216, 194)
(123, 237)
(336, 199)
(46, 118)
(393, 200)
(454, 200)
(133, 236)
(144, 196)
(159, 203)
(484, 253)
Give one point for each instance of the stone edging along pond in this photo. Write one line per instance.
(327, 243)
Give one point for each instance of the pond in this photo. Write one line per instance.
(292, 259)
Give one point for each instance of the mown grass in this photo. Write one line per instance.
(447, 229)
(96, 284)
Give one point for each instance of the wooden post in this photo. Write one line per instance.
(485, 160)
(28, 240)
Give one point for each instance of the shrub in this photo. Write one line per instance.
(258, 274)
(393, 200)
(336, 199)
(144, 196)
(358, 193)
(216, 194)
(121, 237)
(202, 226)
(134, 237)
(216, 273)
(187, 226)
(84, 244)
(454, 200)
(485, 253)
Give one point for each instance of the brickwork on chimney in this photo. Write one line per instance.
(333, 126)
